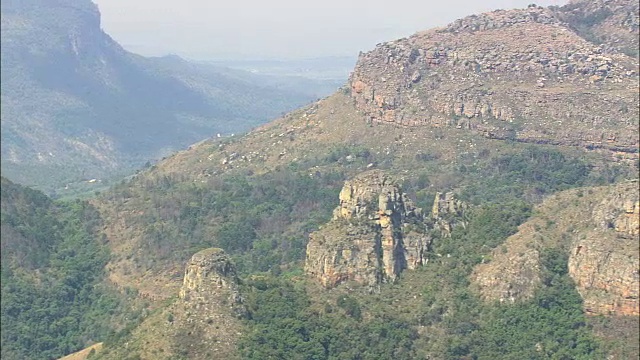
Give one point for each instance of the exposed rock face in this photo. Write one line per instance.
(448, 212)
(605, 269)
(203, 324)
(598, 227)
(517, 74)
(607, 276)
(514, 272)
(210, 276)
(374, 235)
(619, 211)
(210, 308)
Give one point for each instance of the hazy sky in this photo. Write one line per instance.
(214, 29)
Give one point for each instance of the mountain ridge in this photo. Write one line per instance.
(509, 74)
(79, 106)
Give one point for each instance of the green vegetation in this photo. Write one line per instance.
(52, 265)
(262, 221)
(550, 326)
(529, 175)
(286, 323)
(283, 326)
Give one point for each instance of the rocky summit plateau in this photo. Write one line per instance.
(524, 75)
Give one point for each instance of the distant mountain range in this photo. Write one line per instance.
(328, 68)
(77, 106)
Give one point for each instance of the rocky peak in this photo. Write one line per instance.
(373, 194)
(502, 18)
(376, 232)
(210, 277)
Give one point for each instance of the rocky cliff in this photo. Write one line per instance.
(521, 74)
(605, 264)
(210, 276)
(376, 232)
(597, 227)
(374, 235)
(212, 305)
(203, 323)
(448, 213)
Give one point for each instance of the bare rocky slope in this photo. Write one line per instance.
(612, 22)
(597, 227)
(509, 74)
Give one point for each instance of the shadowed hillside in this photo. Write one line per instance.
(77, 106)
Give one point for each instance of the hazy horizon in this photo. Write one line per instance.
(278, 29)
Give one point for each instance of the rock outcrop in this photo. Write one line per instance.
(375, 234)
(513, 274)
(448, 213)
(204, 323)
(210, 276)
(605, 265)
(210, 308)
(522, 74)
(614, 23)
(597, 227)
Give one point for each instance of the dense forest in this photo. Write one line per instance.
(54, 300)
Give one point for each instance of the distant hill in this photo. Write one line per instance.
(77, 106)
(334, 68)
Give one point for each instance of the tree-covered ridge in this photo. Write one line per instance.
(53, 261)
(263, 220)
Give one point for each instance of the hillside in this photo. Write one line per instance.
(522, 75)
(612, 23)
(376, 223)
(54, 297)
(77, 106)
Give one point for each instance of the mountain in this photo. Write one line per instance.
(509, 74)
(446, 203)
(77, 106)
(496, 112)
